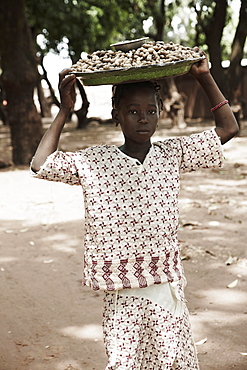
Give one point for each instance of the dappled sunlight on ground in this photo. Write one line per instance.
(62, 243)
(6, 259)
(227, 298)
(25, 198)
(92, 332)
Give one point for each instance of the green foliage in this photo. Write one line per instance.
(205, 20)
(95, 24)
(87, 25)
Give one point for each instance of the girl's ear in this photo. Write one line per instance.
(115, 116)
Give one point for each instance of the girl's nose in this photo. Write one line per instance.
(143, 118)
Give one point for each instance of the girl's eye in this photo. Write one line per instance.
(132, 111)
(152, 112)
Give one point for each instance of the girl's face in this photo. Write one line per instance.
(137, 114)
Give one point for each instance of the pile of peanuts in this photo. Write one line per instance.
(150, 53)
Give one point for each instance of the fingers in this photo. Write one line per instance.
(65, 72)
(67, 88)
(200, 67)
(67, 82)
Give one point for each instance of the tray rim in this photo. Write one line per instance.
(112, 72)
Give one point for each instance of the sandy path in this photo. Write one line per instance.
(50, 322)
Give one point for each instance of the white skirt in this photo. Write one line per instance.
(148, 328)
(165, 295)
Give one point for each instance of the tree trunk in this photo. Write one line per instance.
(158, 12)
(160, 21)
(214, 32)
(82, 112)
(44, 102)
(19, 79)
(3, 109)
(234, 72)
(213, 29)
(53, 98)
(173, 101)
(3, 115)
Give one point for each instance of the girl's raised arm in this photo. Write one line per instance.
(226, 124)
(49, 142)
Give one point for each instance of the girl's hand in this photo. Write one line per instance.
(67, 88)
(201, 67)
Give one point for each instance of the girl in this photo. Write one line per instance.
(131, 219)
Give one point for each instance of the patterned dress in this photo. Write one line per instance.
(148, 328)
(131, 223)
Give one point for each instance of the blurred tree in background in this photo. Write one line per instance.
(85, 26)
(19, 77)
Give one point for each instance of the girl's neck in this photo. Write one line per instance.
(136, 150)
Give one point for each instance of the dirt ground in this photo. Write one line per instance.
(49, 321)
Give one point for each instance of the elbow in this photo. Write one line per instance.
(33, 170)
(229, 134)
(236, 131)
(34, 167)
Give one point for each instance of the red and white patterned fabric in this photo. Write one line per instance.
(140, 334)
(131, 209)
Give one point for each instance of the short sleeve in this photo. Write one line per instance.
(202, 150)
(59, 166)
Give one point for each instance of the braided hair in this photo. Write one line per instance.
(119, 91)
